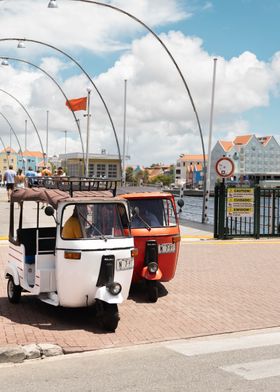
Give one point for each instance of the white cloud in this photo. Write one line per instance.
(160, 120)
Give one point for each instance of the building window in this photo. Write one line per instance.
(112, 171)
(101, 170)
(91, 169)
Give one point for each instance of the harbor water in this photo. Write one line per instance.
(192, 209)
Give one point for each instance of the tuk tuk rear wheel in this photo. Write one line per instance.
(13, 291)
(107, 316)
(152, 290)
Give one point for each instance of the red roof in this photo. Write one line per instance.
(240, 140)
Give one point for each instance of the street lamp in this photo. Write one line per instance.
(59, 87)
(53, 4)
(21, 44)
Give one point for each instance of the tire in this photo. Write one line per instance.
(152, 291)
(13, 291)
(108, 316)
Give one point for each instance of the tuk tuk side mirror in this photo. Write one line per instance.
(135, 211)
(180, 203)
(49, 211)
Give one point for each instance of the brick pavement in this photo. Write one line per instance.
(219, 287)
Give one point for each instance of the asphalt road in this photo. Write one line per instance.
(236, 363)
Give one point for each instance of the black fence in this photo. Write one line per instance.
(246, 212)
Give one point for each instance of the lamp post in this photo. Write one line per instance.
(208, 169)
(21, 44)
(124, 132)
(88, 115)
(47, 137)
(65, 149)
(59, 87)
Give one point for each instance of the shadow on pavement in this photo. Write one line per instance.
(35, 313)
(138, 292)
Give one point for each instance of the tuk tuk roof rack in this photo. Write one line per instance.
(71, 184)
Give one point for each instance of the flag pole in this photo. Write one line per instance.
(88, 133)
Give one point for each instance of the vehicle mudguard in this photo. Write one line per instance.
(11, 270)
(103, 294)
(149, 276)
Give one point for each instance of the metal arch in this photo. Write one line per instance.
(11, 127)
(175, 64)
(36, 130)
(46, 73)
(83, 70)
(1, 140)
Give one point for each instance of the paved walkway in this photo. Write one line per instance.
(219, 287)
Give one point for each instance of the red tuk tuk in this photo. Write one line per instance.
(156, 232)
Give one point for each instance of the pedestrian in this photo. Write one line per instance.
(46, 172)
(20, 179)
(29, 177)
(9, 178)
(60, 172)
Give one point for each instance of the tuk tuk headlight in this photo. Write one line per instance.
(153, 267)
(115, 288)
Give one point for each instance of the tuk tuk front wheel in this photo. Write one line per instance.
(107, 316)
(152, 290)
(13, 291)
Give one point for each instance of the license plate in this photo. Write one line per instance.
(166, 248)
(124, 264)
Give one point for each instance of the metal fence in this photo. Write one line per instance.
(263, 220)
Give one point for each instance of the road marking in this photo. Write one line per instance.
(221, 344)
(255, 370)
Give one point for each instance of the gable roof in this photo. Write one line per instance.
(264, 139)
(241, 140)
(227, 146)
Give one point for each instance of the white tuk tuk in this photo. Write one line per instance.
(94, 268)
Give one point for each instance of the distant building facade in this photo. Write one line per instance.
(189, 171)
(8, 156)
(255, 158)
(100, 165)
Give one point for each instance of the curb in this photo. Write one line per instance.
(18, 354)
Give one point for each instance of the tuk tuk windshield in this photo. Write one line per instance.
(93, 220)
(152, 212)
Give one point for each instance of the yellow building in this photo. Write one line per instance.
(8, 156)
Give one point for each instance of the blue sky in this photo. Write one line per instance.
(243, 34)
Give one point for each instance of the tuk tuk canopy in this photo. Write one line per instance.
(55, 196)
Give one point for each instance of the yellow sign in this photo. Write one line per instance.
(240, 202)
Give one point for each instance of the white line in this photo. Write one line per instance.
(255, 370)
(200, 347)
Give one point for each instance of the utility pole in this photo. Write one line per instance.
(65, 149)
(88, 115)
(25, 133)
(47, 137)
(124, 133)
(208, 171)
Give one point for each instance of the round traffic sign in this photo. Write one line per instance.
(225, 167)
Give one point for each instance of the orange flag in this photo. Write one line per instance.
(77, 104)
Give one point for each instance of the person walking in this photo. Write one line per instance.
(29, 176)
(9, 178)
(20, 179)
